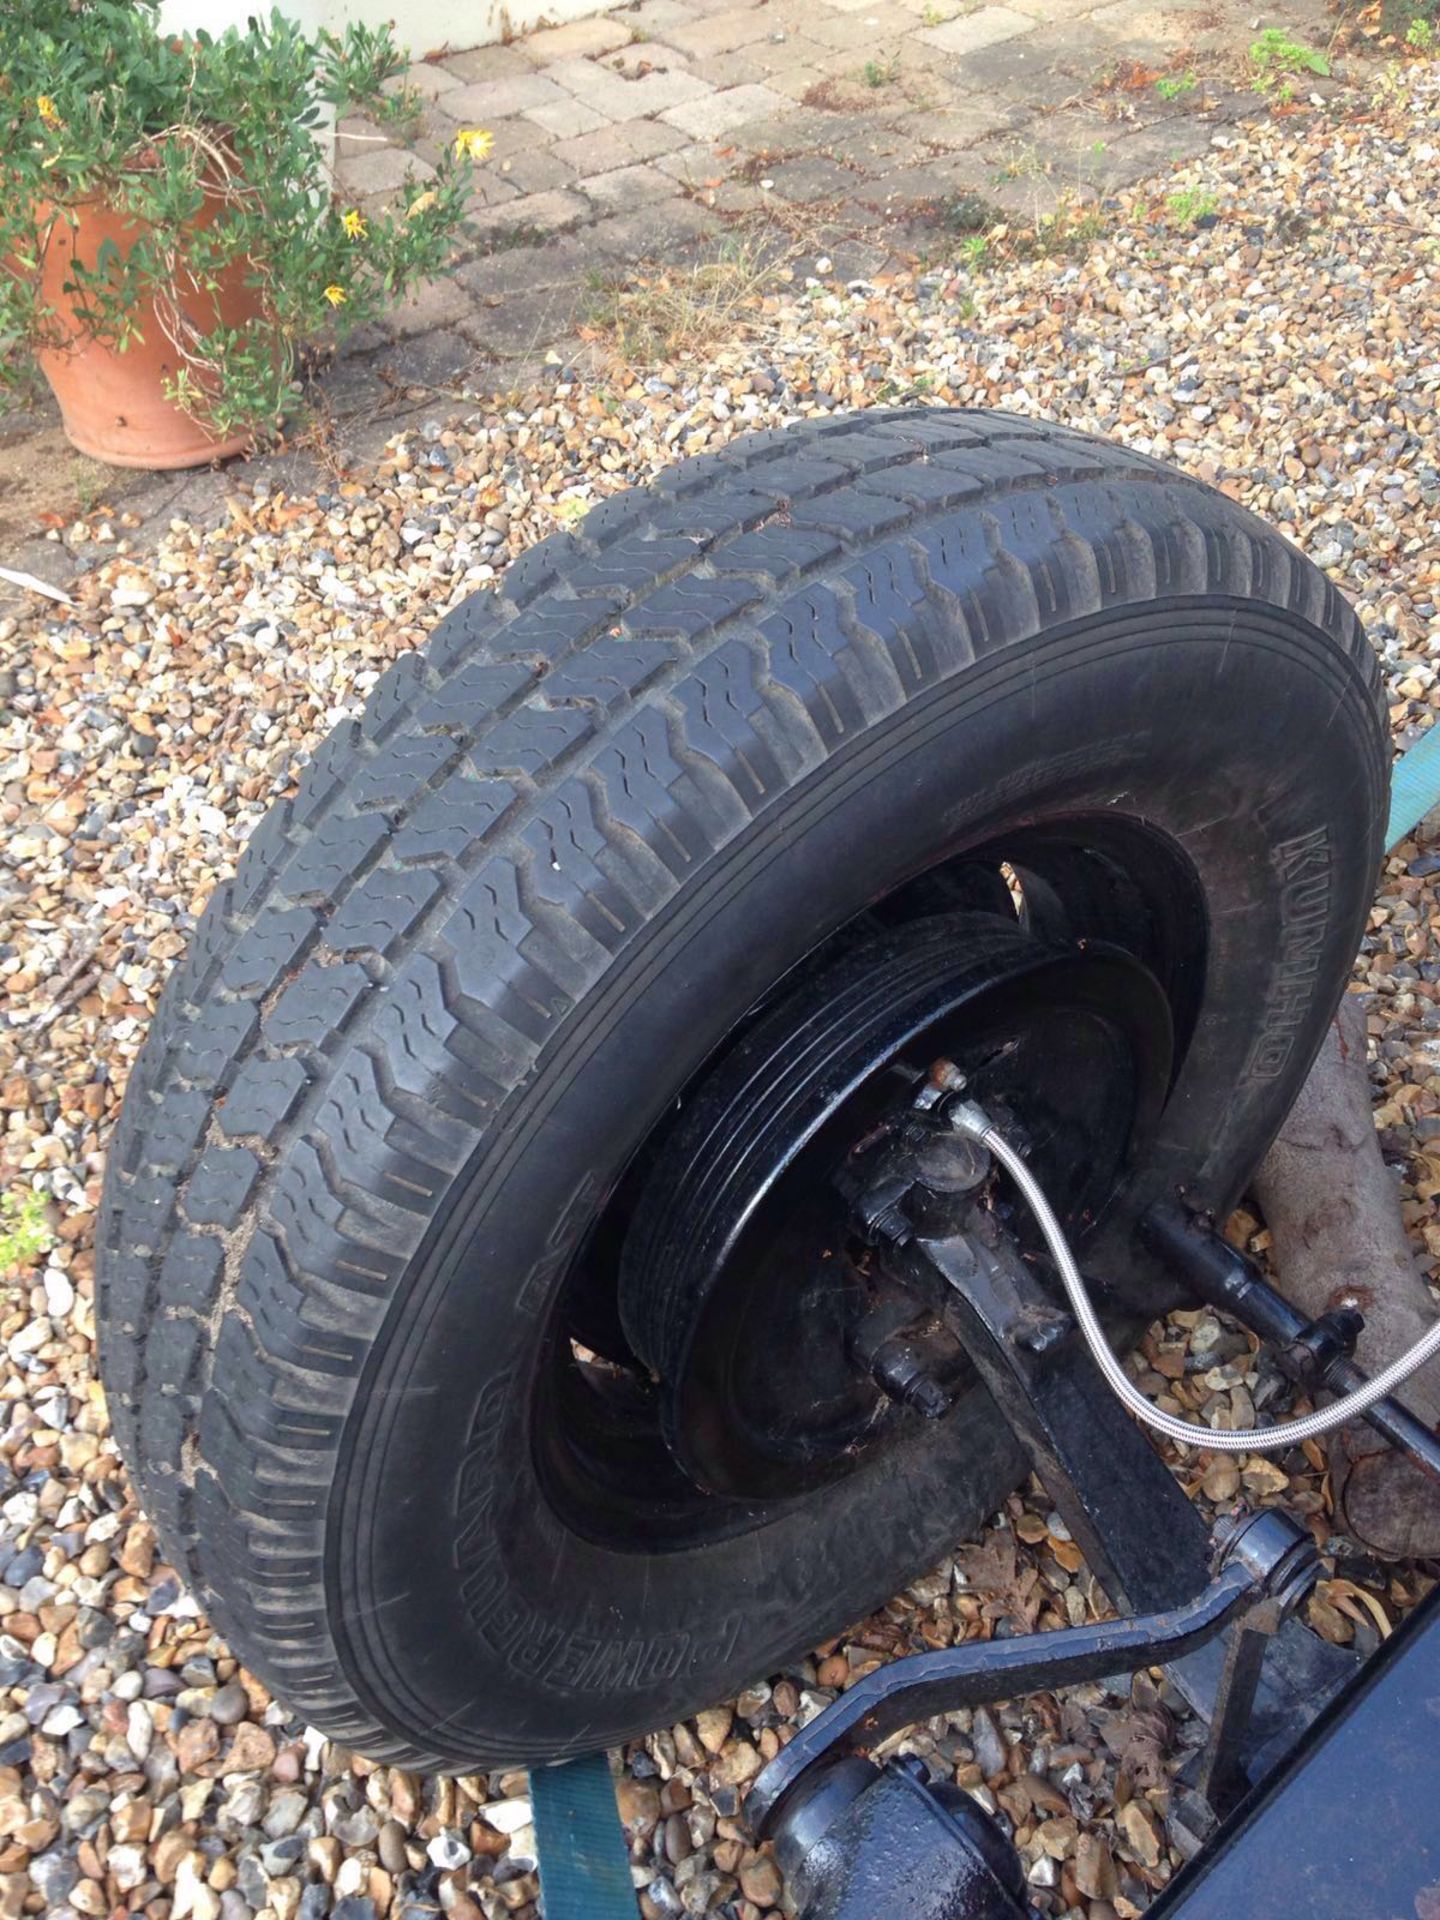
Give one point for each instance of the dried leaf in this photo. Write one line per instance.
(1344, 1594)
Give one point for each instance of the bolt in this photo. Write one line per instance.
(899, 1374)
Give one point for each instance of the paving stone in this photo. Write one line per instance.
(952, 127)
(535, 212)
(584, 39)
(538, 172)
(1049, 11)
(1127, 16)
(784, 132)
(798, 83)
(439, 303)
(618, 146)
(694, 165)
(652, 17)
(424, 78)
(659, 232)
(731, 197)
(528, 321)
(883, 34)
(980, 29)
(1154, 150)
(729, 69)
(629, 187)
(1136, 27)
(380, 170)
(716, 113)
(492, 188)
(938, 180)
(786, 56)
(491, 100)
(1048, 68)
(482, 64)
(619, 98)
(869, 142)
(813, 177)
(556, 263)
(567, 118)
(1072, 144)
(719, 32)
(430, 360)
(649, 56)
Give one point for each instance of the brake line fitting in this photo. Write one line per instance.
(1325, 1340)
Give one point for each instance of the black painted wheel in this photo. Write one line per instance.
(478, 1304)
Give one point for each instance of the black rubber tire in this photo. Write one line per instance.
(511, 907)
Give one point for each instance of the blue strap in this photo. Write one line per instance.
(584, 1862)
(1414, 786)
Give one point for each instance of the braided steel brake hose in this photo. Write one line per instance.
(967, 1118)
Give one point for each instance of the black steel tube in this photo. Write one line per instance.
(1223, 1277)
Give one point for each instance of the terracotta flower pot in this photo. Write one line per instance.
(113, 403)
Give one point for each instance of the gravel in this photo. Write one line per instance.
(1282, 347)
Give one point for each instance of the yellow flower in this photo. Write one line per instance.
(354, 224)
(335, 295)
(47, 110)
(473, 143)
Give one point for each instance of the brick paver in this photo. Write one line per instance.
(844, 127)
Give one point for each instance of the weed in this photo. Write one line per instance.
(638, 36)
(1066, 234)
(1276, 53)
(934, 16)
(90, 478)
(832, 94)
(25, 1231)
(400, 112)
(881, 73)
(1390, 24)
(682, 310)
(967, 213)
(509, 239)
(1174, 86)
(1190, 204)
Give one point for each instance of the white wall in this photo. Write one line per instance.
(422, 25)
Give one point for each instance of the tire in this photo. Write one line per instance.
(461, 975)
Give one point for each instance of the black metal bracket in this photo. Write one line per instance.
(1139, 1532)
(1266, 1568)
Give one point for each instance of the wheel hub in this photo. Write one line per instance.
(745, 1285)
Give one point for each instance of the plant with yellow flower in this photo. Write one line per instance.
(194, 215)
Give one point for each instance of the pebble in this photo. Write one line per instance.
(992, 1755)
(230, 1704)
(448, 1850)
